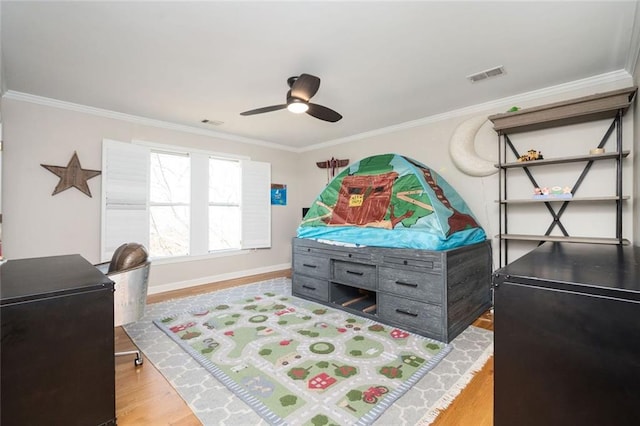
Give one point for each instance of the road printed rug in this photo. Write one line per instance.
(298, 362)
(214, 404)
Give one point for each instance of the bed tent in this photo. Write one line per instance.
(391, 201)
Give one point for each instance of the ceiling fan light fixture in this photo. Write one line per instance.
(297, 106)
(303, 88)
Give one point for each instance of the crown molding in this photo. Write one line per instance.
(54, 103)
(634, 43)
(611, 77)
(496, 105)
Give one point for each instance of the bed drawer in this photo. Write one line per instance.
(315, 266)
(355, 274)
(314, 288)
(314, 248)
(423, 317)
(421, 286)
(429, 262)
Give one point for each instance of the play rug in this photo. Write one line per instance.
(298, 362)
(215, 405)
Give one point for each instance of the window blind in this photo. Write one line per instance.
(125, 188)
(256, 204)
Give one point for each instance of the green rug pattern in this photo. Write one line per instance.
(297, 362)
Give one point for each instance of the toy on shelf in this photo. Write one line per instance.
(531, 155)
(554, 192)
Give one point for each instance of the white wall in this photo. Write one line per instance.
(1, 92)
(636, 159)
(428, 144)
(38, 224)
(2, 82)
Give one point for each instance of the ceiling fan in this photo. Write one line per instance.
(302, 89)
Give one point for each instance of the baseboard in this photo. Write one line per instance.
(182, 285)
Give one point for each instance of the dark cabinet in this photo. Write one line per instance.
(436, 294)
(567, 337)
(56, 359)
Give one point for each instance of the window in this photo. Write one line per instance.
(180, 202)
(169, 204)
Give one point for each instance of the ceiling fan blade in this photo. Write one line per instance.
(264, 109)
(323, 113)
(305, 87)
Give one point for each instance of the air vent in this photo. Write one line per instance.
(212, 122)
(483, 75)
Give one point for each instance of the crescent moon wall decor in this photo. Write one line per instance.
(463, 152)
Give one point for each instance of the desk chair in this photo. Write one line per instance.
(129, 270)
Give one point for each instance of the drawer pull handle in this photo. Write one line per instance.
(402, 311)
(407, 284)
(308, 287)
(355, 273)
(309, 266)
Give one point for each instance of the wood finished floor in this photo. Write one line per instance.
(144, 397)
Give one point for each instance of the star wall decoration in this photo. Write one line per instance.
(72, 176)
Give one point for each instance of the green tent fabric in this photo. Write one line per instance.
(390, 200)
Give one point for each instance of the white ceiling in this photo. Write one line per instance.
(381, 63)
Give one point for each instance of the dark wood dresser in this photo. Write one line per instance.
(436, 294)
(57, 350)
(567, 336)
